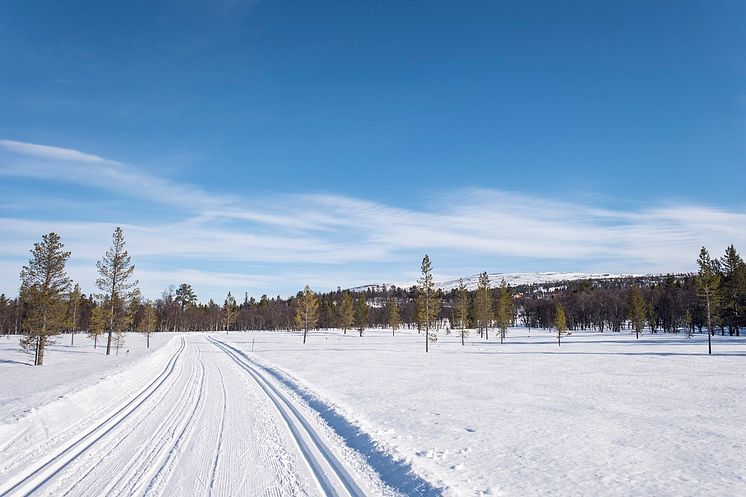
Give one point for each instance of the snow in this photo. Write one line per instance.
(512, 279)
(203, 414)
(604, 414)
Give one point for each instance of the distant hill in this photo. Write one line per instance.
(513, 279)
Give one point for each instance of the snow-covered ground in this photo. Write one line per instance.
(67, 368)
(604, 414)
(260, 413)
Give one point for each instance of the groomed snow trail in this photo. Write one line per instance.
(200, 426)
(330, 474)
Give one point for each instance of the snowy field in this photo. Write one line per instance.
(604, 414)
(203, 414)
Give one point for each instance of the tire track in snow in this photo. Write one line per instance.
(52, 465)
(302, 433)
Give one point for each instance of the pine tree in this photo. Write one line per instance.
(44, 283)
(483, 305)
(560, 322)
(361, 313)
(185, 296)
(346, 312)
(429, 302)
(73, 312)
(230, 311)
(148, 323)
(306, 311)
(462, 309)
(688, 320)
(733, 288)
(708, 283)
(116, 270)
(504, 312)
(636, 310)
(97, 323)
(393, 315)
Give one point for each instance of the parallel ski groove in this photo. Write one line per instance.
(47, 470)
(298, 424)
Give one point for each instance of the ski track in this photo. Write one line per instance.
(330, 474)
(193, 430)
(51, 466)
(56, 443)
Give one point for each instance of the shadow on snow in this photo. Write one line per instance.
(397, 474)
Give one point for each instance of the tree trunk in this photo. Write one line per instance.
(709, 327)
(42, 345)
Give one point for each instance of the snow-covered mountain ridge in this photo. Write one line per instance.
(512, 279)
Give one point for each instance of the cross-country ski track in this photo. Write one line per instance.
(205, 419)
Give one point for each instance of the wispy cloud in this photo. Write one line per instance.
(277, 243)
(48, 152)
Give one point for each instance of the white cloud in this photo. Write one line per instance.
(48, 152)
(315, 238)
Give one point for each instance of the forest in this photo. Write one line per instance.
(714, 299)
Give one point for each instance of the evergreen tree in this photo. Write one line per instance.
(560, 322)
(306, 311)
(185, 296)
(688, 320)
(708, 283)
(393, 315)
(346, 312)
(504, 309)
(230, 311)
(733, 288)
(97, 323)
(429, 302)
(148, 323)
(483, 305)
(73, 312)
(44, 283)
(115, 271)
(636, 310)
(361, 313)
(462, 309)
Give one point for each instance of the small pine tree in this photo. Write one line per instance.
(361, 313)
(148, 323)
(560, 322)
(504, 309)
(429, 300)
(732, 288)
(636, 310)
(115, 271)
(230, 311)
(44, 283)
(393, 315)
(708, 283)
(462, 309)
(346, 312)
(483, 305)
(306, 311)
(688, 320)
(97, 323)
(73, 312)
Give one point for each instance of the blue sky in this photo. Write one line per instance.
(260, 146)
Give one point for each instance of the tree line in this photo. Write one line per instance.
(49, 303)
